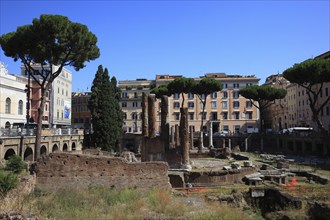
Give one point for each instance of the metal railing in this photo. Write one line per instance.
(10, 132)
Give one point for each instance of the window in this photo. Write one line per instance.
(321, 93)
(176, 104)
(249, 104)
(326, 92)
(66, 92)
(236, 104)
(214, 95)
(62, 115)
(224, 104)
(135, 104)
(236, 85)
(224, 115)
(176, 116)
(8, 106)
(58, 114)
(58, 90)
(226, 128)
(134, 116)
(190, 96)
(248, 115)
(176, 95)
(213, 104)
(124, 104)
(204, 115)
(81, 120)
(214, 116)
(20, 107)
(191, 116)
(124, 115)
(124, 95)
(191, 104)
(237, 128)
(225, 86)
(236, 115)
(327, 110)
(235, 94)
(224, 94)
(75, 120)
(46, 107)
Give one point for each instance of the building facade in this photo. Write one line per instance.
(294, 110)
(227, 110)
(81, 116)
(12, 99)
(59, 106)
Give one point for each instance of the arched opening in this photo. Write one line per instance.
(10, 152)
(65, 147)
(73, 147)
(7, 125)
(55, 148)
(43, 150)
(28, 154)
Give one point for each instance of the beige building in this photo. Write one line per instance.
(294, 109)
(60, 97)
(226, 109)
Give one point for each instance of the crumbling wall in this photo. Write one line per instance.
(216, 178)
(61, 170)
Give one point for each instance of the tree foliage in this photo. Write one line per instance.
(51, 40)
(181, 86)
(311, 75)
(161, 90)
(264, 95)
(203, 88)
(107, 116)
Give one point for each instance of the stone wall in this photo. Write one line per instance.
(217, 178)
(62, 170)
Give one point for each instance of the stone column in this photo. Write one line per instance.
(144, 115)
(229, 144)
(176, 136)
(224, 143)
(191, 137)
(211, 135)
(246, 144)
(172, 137)
(184, 138)
(151, 116)
(164, 133)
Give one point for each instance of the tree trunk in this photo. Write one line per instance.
(201, 144)
(39, 123)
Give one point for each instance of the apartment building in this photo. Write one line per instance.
(59, 95)
(81, 116)
(227, 110)
(294, 109)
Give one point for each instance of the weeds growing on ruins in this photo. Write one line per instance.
(108, 203)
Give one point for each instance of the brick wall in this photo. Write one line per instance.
(61, 170)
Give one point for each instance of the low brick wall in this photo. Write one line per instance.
(62, 170)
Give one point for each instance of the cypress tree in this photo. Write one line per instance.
(104, 106)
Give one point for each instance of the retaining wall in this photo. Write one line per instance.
(61, 170)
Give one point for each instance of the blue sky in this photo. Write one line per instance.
(139, 39)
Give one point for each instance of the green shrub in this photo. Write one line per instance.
(15, 164)
(8, 181)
